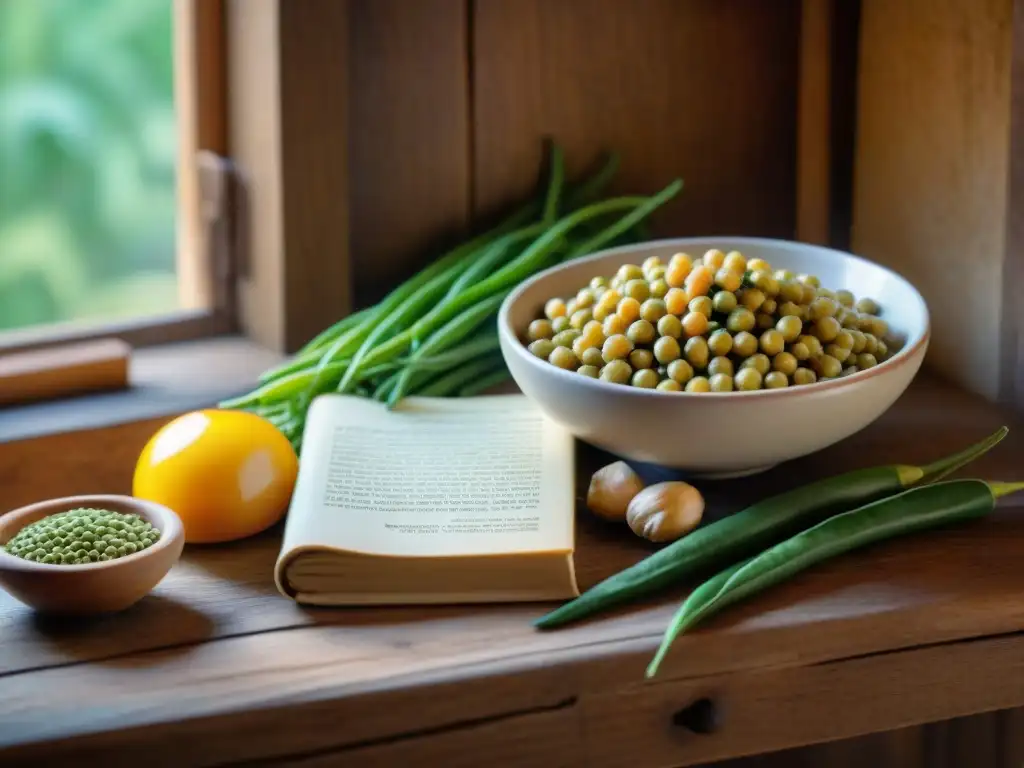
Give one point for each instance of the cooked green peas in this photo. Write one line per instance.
(542, 348)
(772, 342)
(670, 325)
(666, 349)
(839, 353)
(680, 370)
(696, 351)
(566, 338)
(720, 365)
(701, 305)
(637, 289)
(804, 376)
(827, 366)
(744, 344)
(791, 291)
(751, 298)
(540, 329)
(747, 379)
(616, 347)
(759, 362)
(770, 330)
(641, 358)
(826, 328)
(866, 360)
(800, 351)
(592, 356)
(740, 319)
(640, 332)
(645, 378)
(652, 310)
(720, 343)
(724, 302)
(822, 307)
(867, 306)
(790, 327)
(791, 309)
(563, 357)
(721, 382)
(698, 384)
(785, 362)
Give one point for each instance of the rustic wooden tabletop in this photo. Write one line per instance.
(216, 667)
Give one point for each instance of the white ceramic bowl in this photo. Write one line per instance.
(729, 433)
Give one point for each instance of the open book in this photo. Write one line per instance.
(437, 501)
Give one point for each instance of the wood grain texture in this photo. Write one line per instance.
(315, 171)
(70, 369)
(704, 90)
(930, 187)
(813, 104)
(1012, 347)
(775, 709)
(216, 657)
(409, 136)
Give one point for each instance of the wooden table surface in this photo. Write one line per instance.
(215, 667)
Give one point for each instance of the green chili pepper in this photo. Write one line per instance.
(913, 510)
(761, 525)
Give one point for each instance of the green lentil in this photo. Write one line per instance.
(82, 535)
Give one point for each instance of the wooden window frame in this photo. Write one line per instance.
(200, 92)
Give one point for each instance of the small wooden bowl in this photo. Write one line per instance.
(96, 587)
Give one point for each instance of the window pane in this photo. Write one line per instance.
(88, 151)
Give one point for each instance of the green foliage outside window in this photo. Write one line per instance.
(88, 153)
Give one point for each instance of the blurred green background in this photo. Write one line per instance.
(88, 151)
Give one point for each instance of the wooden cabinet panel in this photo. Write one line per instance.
(409, 136)
(701, 89)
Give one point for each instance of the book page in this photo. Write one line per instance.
(433, 477)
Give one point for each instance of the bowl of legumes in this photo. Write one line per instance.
(720, 356)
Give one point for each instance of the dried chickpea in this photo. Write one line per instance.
(540, 329)
(554, 308)
(670, 325)
(699, 281)
(641, 358)
(698, 384)
(616, 347)
(628, 309)
(695, 323)
(735, 261)
(714, 259)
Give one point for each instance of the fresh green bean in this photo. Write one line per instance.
(758, 526)
(328, 335)
(290, 386)
(384, 388)
(592, 187)
(454, 380)
(297, 363)
(485, 382)
(533, 257)
(627, 222)
(484, 342)
(913, 510)
(491, 257)
(413, 307)
(554, 186)
(447, 336)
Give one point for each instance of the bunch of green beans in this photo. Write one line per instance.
(435, 334)
(764, 524)
(917, 509)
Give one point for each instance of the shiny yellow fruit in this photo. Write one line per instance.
(227, 474)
